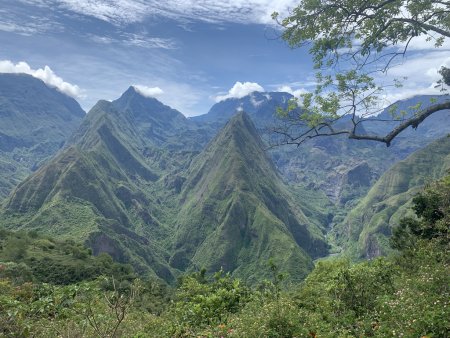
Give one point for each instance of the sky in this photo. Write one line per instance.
(189, 54)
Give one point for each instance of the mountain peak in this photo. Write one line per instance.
(144, 107)
(133, 93)
(241, 118)
(234, 178)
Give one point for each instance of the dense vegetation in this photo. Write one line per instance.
(32, 257)
(404, 295)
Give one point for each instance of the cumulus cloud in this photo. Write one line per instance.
(294, 92)
(240, 90)
(148, 91)
(45, 74)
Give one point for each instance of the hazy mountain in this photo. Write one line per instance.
(260, 106)
(365, 229)
(35, 121)
(237, 214)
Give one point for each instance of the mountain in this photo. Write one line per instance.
(35, 121)
(128, 183)
(236, 213)
(108, 185)
(365, 230)
(260, 106)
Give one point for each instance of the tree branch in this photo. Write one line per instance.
(413, 122)
(317, 131)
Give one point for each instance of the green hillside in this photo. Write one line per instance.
(34, 257)
(35, 121)
(236, 213)
(366, 228)
(100, 190)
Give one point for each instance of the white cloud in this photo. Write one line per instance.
(130, 11)
(148, 91)
(25, 23)
(294, 92)
(45, 74)
(240, 90)
(421, 43)
(421, 73)
(136, 40)
(144, 41)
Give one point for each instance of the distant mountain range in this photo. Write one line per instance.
(170, 194)
(261, 107)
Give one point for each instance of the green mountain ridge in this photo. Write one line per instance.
(365, 230)
(97, 190)
(136, 180)
(237, 213)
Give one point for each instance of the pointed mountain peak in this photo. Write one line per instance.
(134, 93)
(241, 119)
(134, 98)
(130, 91)
(240, 129)
(234, 204)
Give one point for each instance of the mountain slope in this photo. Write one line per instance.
(35, 121)
(106, 187)
(365, 230)
(236, 212)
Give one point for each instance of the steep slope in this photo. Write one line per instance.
(365, 230)
(35, 121)
(107, 186)
(237, 214)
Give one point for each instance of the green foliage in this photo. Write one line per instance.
(432, 207)
(352, 41)
(200, 304)
(34, 257)
(445, 73)
(403, 296)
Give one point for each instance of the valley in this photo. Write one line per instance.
(133, 190)
(169, 194)
(224, 169)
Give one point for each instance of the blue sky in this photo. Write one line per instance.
(187, 53)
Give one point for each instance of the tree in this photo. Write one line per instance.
(432, 208)
(353, 42)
